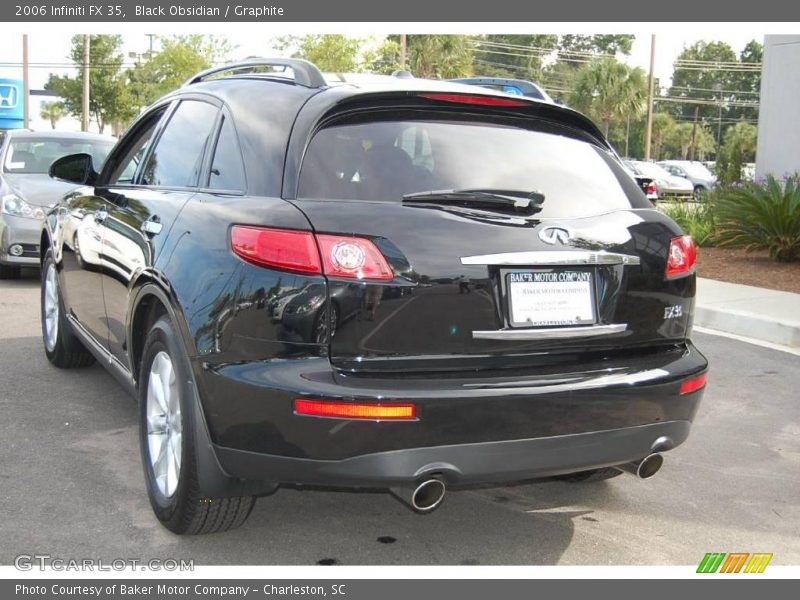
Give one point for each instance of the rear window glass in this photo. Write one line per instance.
(383, 160)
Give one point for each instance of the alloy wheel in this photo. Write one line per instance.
(164, 426)
(51, 308)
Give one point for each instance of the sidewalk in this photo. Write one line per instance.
(766, 315)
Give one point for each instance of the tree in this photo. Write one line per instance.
(738, 148)
(572, 53)
(515, 56)
(608, 90)
(695, 77)
(343, 54)
(179, 58)
(663, 124)
(679, 139)
(53, 112)
(597, 44)
(747, 84)
(440, 56)
(109, 98)
(385, 58)
(704, 142)
(334, 53)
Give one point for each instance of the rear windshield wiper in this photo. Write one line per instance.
(508, 201)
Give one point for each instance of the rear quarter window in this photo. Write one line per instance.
(383, 160)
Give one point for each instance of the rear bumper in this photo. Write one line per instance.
(464, 464)
(551, 419)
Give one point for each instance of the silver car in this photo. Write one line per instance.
(669, 186)
(26, 189)
(702, 179)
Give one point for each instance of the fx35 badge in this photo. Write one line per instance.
(673, 312)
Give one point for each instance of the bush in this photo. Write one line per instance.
(762, 215)
(697, 220)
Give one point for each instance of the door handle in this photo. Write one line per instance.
(152, 226)
(100, 215)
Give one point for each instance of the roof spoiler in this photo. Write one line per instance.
(305, 73)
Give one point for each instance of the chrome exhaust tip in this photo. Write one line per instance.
(645, 468)
(425, 497)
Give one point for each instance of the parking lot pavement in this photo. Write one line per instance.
(71, 483)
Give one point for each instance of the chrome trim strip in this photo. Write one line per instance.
(554, 333)
(550, 257)
(585, 384)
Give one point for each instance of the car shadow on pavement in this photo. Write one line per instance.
(28, 278)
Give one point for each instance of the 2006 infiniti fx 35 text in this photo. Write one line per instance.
(398, 284)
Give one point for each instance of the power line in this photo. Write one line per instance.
(697, 89)
(727, 103)
(541, 51)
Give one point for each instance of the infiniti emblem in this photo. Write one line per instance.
(551, 235)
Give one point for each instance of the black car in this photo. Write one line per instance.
(403, 286)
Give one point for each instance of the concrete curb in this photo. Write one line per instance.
(766, 315)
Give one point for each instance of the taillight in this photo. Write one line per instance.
(280, 248)
(355, 410)
(353, 257)
(469, 99)
(694, 384)
(300, 251)
(682, 256)
(651, 188)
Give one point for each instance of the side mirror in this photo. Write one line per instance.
(75, 168)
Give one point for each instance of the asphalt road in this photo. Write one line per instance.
(71, 482)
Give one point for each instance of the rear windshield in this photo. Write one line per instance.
(383, 160)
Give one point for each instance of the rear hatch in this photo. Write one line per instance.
(481, 283)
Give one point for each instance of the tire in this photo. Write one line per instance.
(166, 428)
(590, 476)
(62, 347)
(7, 272)
(699, 193)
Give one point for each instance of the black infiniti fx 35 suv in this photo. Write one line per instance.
(401, 284)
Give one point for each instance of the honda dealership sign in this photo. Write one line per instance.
(11, 105)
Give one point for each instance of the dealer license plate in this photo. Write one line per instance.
(551, 297)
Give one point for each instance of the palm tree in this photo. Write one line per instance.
(663, 124)
(704, 142)
(680, 138)
(608, 90)
(442, 56)
(53, 112)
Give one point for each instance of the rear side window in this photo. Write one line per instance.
(227, 172)
(177, 158)
(383, 160)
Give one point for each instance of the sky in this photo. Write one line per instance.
(52, 46)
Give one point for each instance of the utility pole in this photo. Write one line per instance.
(85, 102)
(648, 137)
(403, 48)
(26, 84)
(718, 89)
(694, 133)
(627, 136)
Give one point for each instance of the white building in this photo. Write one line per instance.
(779, 112)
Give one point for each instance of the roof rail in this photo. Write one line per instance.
(305, 73)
